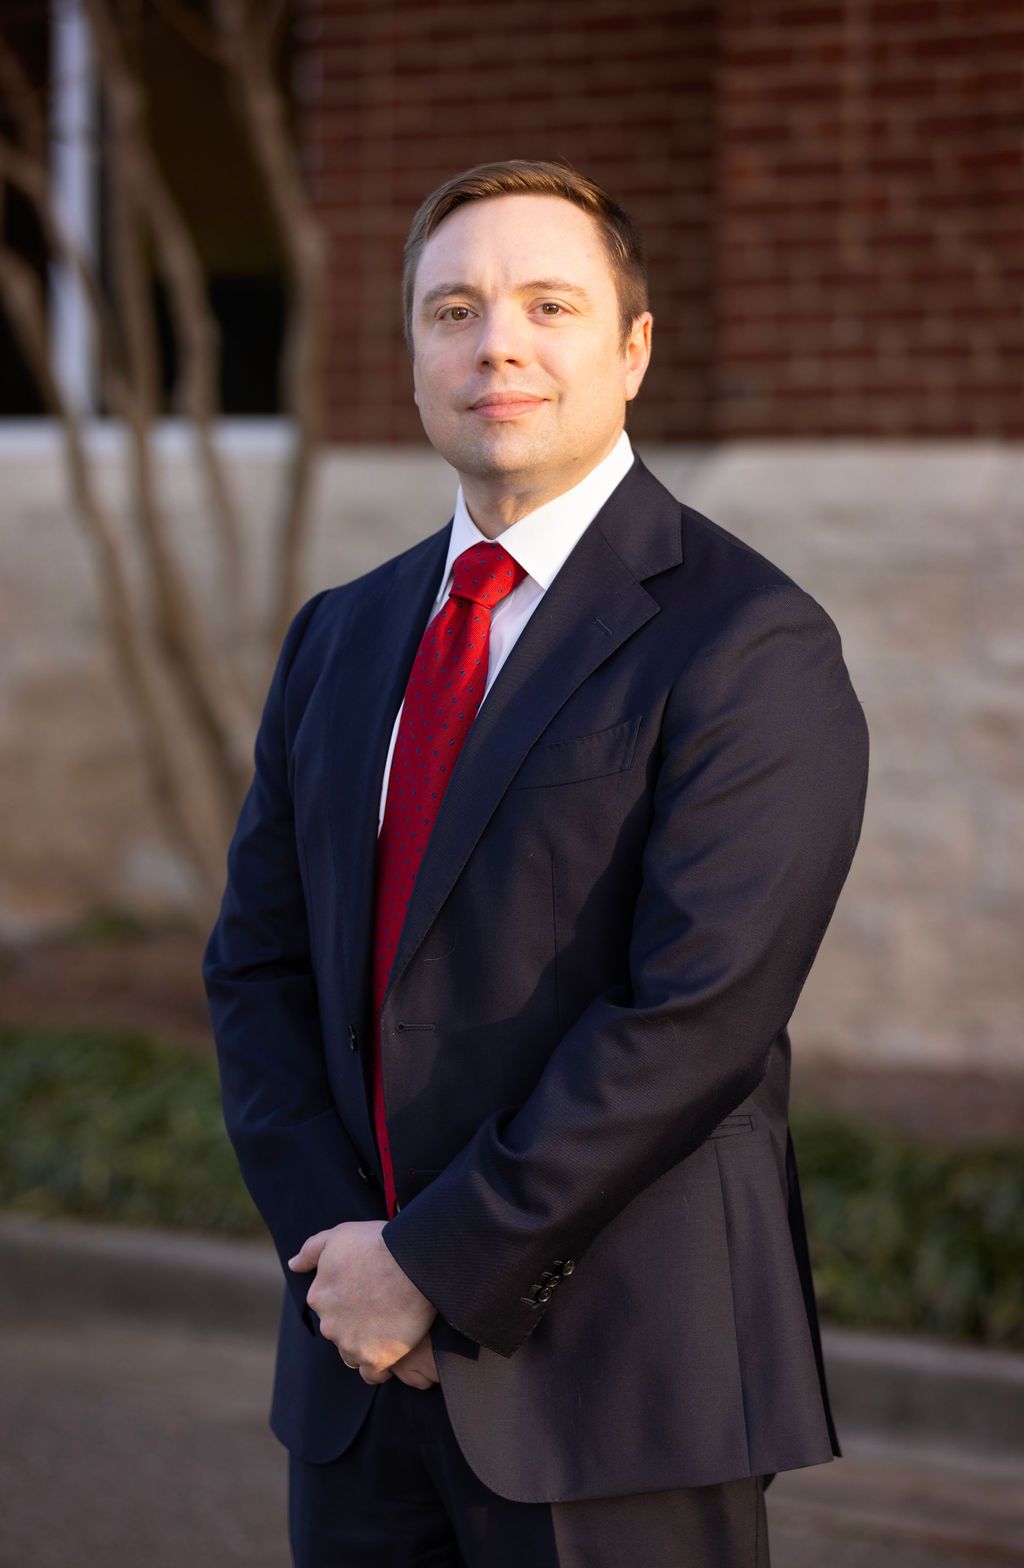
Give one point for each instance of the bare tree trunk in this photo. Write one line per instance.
(207, 683)
(180, 805)
(247, 45)
(194, 723)
(197, 330)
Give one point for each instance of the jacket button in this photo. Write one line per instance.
(568, 1265)
(353, 1046)
(547, 1277)
(545, 1294)
(364, 1175)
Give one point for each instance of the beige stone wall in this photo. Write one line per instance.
(914, 549)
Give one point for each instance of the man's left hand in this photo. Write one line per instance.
(368, 1306)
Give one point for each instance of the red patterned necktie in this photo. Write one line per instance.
(446, 686)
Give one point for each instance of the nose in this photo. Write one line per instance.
(502, 339)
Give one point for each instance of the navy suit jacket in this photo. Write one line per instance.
(584, 1038)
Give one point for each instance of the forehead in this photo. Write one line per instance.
(504, 239)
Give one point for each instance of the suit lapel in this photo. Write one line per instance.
(594, 603)
(367, 683)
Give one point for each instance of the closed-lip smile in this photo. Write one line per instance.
(505, 405)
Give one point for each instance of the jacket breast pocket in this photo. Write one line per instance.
(590, 756)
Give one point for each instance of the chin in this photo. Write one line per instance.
(489, 459)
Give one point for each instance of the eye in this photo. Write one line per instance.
(552, 305)
(455, 312)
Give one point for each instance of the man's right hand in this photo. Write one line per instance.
(417, 1367)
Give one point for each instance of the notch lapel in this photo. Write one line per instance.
(595, 601)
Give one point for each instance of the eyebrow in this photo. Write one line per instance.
(536, 286)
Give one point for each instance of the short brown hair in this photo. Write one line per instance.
(529, 177)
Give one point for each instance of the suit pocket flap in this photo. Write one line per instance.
(736, 1121)
(581, 757)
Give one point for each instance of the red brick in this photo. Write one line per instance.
(832, 215)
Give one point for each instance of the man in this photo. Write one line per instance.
(508, 1079)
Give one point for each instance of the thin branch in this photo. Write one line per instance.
(302, 244)
(210, 686)
(277, 10)
(32, 177)
(17, 91)
(178, 685)
(131, 388)
(193, 27)
(173, 792)
(195, 325)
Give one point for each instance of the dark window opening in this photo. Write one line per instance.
(27, 34)
(202, 151)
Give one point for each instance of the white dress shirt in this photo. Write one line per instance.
(540, 542)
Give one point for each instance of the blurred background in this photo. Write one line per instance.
(206, 415)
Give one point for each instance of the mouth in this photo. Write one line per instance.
(505, 405)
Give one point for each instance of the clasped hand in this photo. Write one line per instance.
(368, 1306)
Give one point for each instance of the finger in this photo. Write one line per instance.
(424, 1361)
(420, 1359)
(368, 1375)
(413, 1379)
(420, 1377)
(308, 1254)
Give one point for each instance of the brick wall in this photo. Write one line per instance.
(402, 95)
(831, 194)
(869, 223)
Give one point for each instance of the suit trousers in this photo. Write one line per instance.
(403, 1496)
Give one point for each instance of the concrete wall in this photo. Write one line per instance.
(914, 549)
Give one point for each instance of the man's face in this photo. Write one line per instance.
(519, 370)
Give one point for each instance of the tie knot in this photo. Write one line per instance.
(486, 573)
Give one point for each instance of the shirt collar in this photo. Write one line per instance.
(542, 539)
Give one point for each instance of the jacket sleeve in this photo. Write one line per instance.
(294, 1154)
(756, 813)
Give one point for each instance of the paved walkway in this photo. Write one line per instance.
(148, 1446)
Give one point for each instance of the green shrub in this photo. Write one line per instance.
(903, 1234)
(116, 1126)
(912, 1235)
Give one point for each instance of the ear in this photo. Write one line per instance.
(638, 352)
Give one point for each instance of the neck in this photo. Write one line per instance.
(496, 503)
